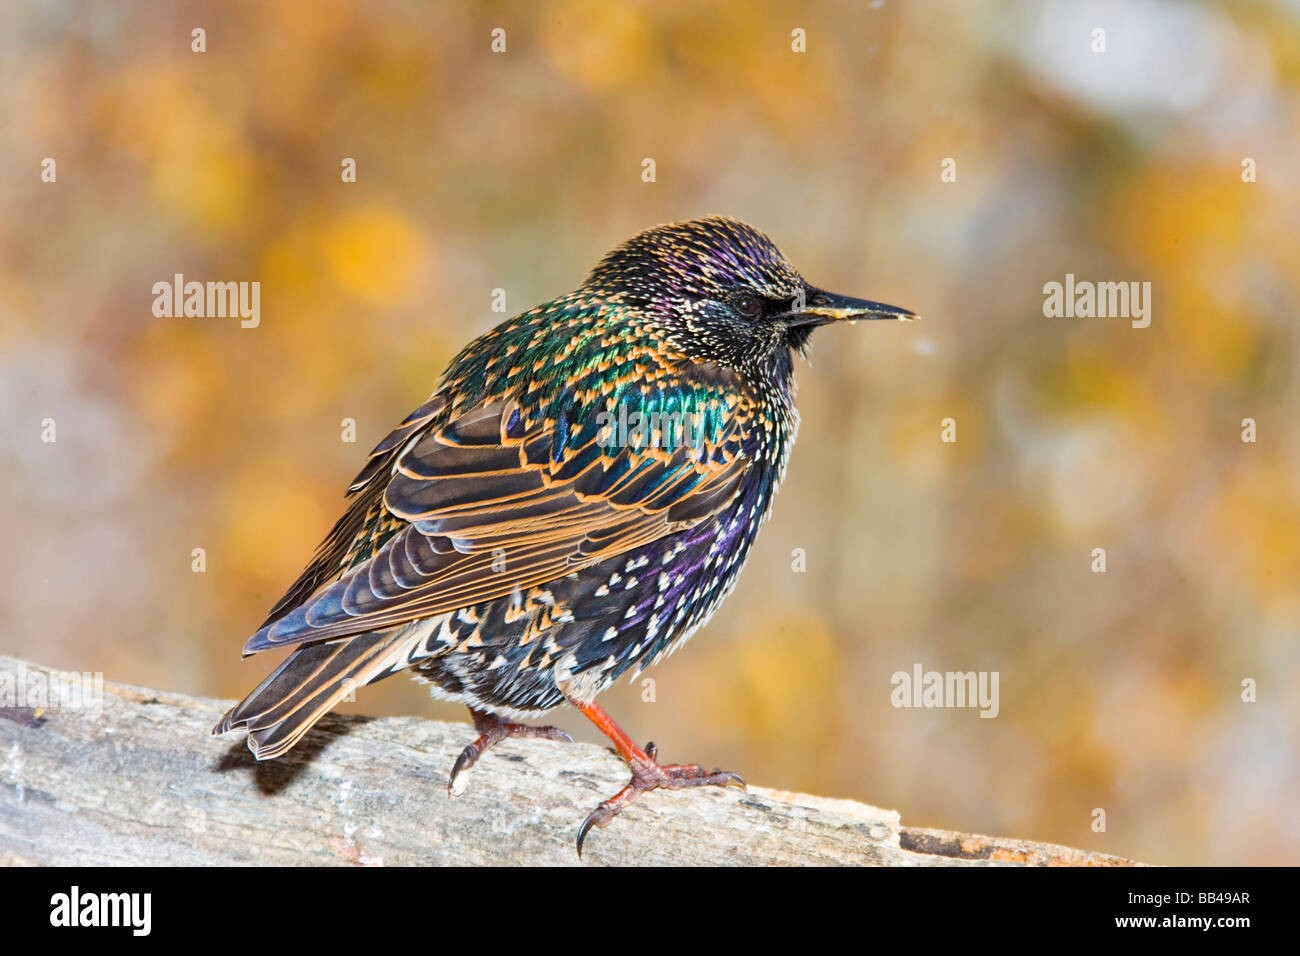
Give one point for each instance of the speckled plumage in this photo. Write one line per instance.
(575, 499)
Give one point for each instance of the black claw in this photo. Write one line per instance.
(464, 760)
(587, 824)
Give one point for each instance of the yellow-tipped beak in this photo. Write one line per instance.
(821, 308)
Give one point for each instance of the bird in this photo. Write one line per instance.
(575, 499)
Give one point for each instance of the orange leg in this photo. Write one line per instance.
(647, 773)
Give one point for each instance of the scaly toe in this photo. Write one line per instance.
(647, 776)
(493, 731)
(543, 733)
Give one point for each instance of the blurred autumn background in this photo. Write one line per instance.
(517, 170)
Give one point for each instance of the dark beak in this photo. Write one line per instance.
(820, 307)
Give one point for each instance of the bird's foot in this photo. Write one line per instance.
(492, 730)
(648, 774)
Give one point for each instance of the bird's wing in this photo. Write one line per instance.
(491, 502)
(341, 546)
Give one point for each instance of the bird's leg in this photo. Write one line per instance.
(647, 773)
(492, 730)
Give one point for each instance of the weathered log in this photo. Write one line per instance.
(133, 777)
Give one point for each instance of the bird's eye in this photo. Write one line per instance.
(750, 306)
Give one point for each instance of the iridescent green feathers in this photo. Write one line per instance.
(589, 426)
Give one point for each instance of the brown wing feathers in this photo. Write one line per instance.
(476, 535)
(366, 492)
(448, 516)
(309, 684)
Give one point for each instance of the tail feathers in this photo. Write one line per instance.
(310, 683)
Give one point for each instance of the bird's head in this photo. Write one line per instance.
(721, 291)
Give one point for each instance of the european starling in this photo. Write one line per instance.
(575, 499)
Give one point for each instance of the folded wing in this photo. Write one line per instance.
(492, 501)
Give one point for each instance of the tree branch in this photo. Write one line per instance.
(135, 778)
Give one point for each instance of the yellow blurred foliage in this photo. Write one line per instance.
(375, 253)
(478, 170)
(598, 47)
